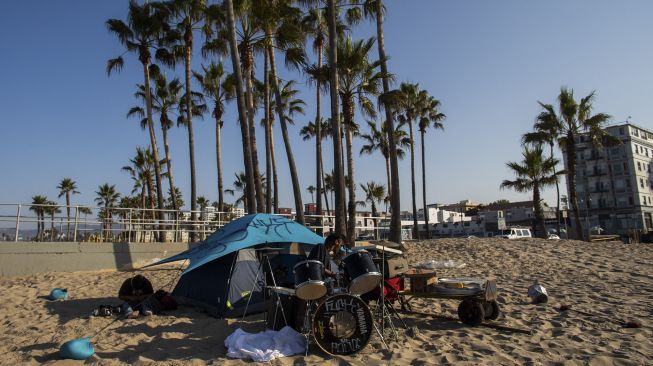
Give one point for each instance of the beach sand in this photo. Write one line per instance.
(612, 281)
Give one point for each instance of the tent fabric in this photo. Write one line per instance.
(225, 270)
(248, 231)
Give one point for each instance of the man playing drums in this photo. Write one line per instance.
(320, 252)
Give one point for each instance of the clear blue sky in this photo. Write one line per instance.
(488, 62)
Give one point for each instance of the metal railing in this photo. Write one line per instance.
(30, 222)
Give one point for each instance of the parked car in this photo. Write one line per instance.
(553, 237)
(365, 237)
(515, 233)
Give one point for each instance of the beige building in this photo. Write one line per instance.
(615, 183)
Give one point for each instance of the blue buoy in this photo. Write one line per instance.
(77, 349)
(59, 294)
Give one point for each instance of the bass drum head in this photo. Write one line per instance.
(342, 324)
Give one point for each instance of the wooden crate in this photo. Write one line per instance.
(420, 280)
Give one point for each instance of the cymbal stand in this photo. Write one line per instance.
(262, 262)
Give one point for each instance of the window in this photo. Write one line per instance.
(621, 130)
(639, 166)
(630, 200)
(634, 132)
(641, 182)
(636, 149)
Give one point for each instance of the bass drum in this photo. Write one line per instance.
(342, 324)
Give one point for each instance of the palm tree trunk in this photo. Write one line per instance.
(318, 139)
(539, 215)
(188, 38)
(297, 193)
(557, 196)
(348, 114)
(339, 178)
(154, 147)
(171, 179)
(268, 160)
(571, 180)
(387, 173)
(150, 191)
(68, 214)
(275, 177)
(426, 212)
(249, 94)
(395, 202)
(412, 179)
(242, 111)
(218, 159)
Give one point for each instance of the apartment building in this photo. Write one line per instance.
(614, 183)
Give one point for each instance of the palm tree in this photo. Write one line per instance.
(377, 140)
(330, 185)
(311, 131)
(571, 119)
(51, 209)
(145, 29)
(242, 111)
(165, 100)
(374, 194)
(203, 202)
(339, 170)
(375, 9)
(280, 22)
(240, 185)
(141, 172)
(37, 206)
(408, 99)
(311, 190)
(211, 81)
(107, 197)
(534, 173)
(67, 187)
(429, 115)
(84, 211)
(174, 196)
(188, 16)
(358, 81)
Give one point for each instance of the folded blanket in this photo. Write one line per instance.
(265, 346)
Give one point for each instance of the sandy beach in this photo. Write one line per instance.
(611, 281)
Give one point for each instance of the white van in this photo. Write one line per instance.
(515, 233)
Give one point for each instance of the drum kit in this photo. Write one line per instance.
(334, 314)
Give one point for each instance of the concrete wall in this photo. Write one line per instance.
(24, 258)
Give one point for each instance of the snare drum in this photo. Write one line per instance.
(309, 280)
(363, 274)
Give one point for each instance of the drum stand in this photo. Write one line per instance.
(261, 269)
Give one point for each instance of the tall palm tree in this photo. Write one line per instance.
(145, 30)
(359, 80)
(141, 172)
(330, 186)
(38, 206)
(240, 185)
(212, 81)
(107, 197)
(281, 21)
(165, 101)
(407, 101)
(534, 173)
(311, 131)
(428, 116)
(374, 194)
(377, 140)
(203, 202)
(571, 119)
(545, 133)
(67, 187)
(188, 16)
(242, 111)
(376, 10)
(315, 25)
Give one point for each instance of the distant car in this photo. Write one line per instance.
(553, 237)
(472, 237)
(515, 233)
